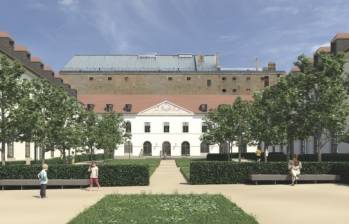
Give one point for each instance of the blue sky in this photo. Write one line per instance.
(239, 31)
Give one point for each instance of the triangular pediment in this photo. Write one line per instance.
(166, 108)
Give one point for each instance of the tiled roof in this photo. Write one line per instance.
(5, 34)
(341, 36)
(19, 47)
(180, 62)
(295, 69)
(323, 50)
(142, 102)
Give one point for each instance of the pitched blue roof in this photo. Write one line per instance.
(184, 62)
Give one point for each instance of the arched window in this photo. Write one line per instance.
(166, 148)
(128, 127)
(128, 148)
(223, 148)
(147, 149)
(185, 149)
(204, 147)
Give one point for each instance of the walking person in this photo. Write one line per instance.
(295, 167)
(258, 154)
(94, 175)
(43, 180)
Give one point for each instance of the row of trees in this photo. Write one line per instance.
(311, 102)
(37, 111)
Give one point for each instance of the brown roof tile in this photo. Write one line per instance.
(5, 34)
(323, 50)
(341, 36)
(19, 47)
(35, 59)
(142, 102)
(295, 69)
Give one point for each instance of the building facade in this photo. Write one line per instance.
(33, 68)
(163, 98)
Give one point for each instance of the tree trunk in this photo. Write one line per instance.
(3, 145)
(229, 150)
(239, 150)
(35, 152)
(316, 147)
(43, 156)
(91, 152)
(64, 157)
(265, 149)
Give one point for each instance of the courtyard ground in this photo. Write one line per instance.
(305, 203)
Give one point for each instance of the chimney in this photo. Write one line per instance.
(271, 67)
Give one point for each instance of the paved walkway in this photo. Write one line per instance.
(270, 204)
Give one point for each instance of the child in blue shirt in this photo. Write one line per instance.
(43, 180)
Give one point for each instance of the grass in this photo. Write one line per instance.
(184, 166)
(152, 163)
(162, 209)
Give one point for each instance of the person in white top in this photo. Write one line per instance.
(94, 175)
(295, 167)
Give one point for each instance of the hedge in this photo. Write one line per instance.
(59, 160)
(109, 175)
(232, 173)
(273, 156)
(280, 156)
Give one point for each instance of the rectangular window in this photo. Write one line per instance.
(224, 78)
(266, 81)
(185, 127)
(128, 127)
(147, 127)
(108, 108)
(204, 128)
(248, 78)
(10, 151)
(166, 127)
(90, 78)
(90, 107)
(27, 150)
(169, 78)
(126, 78)
(209, 82)
(188, 78)
(110, 78)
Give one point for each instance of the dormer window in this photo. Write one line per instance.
(90, 107)
(203, 108)
(90, 78)
(128, 107)
(110, 78)
(108, 108)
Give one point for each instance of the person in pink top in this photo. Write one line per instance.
(94, 175)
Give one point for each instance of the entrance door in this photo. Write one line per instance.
(166, 148)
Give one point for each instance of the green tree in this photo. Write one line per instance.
(327, 104)
(229, 124)
(110, 133)
(90, 134)
(10, 94)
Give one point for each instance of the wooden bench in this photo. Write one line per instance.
(35, 182)
(284, 177)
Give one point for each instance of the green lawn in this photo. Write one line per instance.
(162, 209)
(153, 163)
(184, 165)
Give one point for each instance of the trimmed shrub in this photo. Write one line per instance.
(87, 157)
(273, 156)
(280, 156)
(232, 173)
(109, 175)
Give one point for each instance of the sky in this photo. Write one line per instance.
(238, 31)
